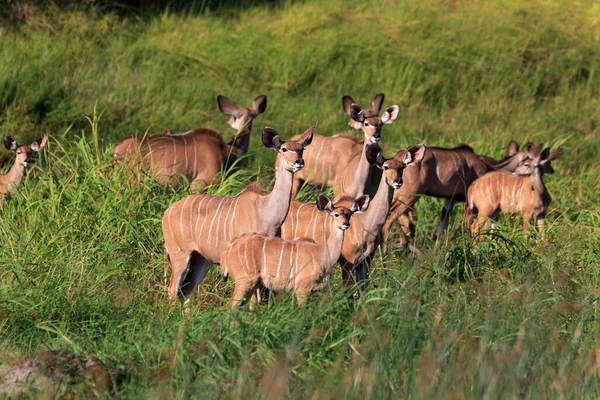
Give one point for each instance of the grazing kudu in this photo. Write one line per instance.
(199, 154)
(522, 192)
(327, 159)
(362, 239)
(445, 173)
(302, 265)
(197, 228)
(13, 179)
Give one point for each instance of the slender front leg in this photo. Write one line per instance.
(541, 225)
(446, 210)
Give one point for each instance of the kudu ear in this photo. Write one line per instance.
(374, 154)
(361, 204)
(307, 136)
(414, 155)
(533, 149)
(357, 113)
(390, 114)
(377, 102)
(10, 143)
(39, 143)
(227, 107)
(324, 203)
(554, 154)
(512, 149)
(260, 105)
(270, 138)
(347, 103)
(544, 156)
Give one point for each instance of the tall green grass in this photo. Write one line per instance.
(81, 244)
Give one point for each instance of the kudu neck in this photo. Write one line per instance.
(333, 247)
(379, 206)
(15, 175)
(277, 203)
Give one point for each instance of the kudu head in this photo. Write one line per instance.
(292, 150)
(538, 161)
(340, 213)
(242, 117)
(393, 168)
(368, 120)
(23, 152)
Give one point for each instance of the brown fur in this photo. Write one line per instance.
(197, 228)
(445, 173)
(13, 179)
(301, 265)
(362, 239)
(198, 155)
(329, 161)
(524, 194)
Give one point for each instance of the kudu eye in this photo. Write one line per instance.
(385, 167)
(366, 124)
(283, 150)
(336, 215)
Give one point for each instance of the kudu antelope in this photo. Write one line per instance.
(13, 179)
(327, 159)
(197, 228)
(522, 192)
(445, 173)
(301, 265)
(199, 154)
(362, 239)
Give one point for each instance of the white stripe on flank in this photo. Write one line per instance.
(185, 150)
(206, 214)
(232, 234)
(247, 266)
(171, 230)
(226, 235)
(238, 249)
(280, 259)
(195, 172)
(315, 217)
(291, 264)
(210, 234)
(181, 214)
(264, 258)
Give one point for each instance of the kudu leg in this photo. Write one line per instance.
(541, 225)
(446, 210)
(198, 268)
(244, 287)
(179, 264)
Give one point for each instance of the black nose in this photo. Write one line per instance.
(299, 161)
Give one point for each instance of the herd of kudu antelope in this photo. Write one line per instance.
(270, 241)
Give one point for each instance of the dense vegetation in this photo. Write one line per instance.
(81, 246)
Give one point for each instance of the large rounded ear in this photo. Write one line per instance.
(374, 154)
(357, 113)
(544, 155)
(361, 204)
(414, 155)
(307, 136)
(227, 107)
(324, 203)
(260, 105)
(512, 149)
(347, 103)
(390, 114)
(39, 143)
(554, 154)
(377, 102)
(270, 138)
(10, 143)
(533, 149)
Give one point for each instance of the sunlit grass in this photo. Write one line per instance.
(81, 253)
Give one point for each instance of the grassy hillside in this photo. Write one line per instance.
(81, 247)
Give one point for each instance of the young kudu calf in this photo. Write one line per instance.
(362, 239)
(197, 228)
(13, 179)
(328, 158)
(199, 155)
(302, 265)
(445, 173)
(522, 192)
